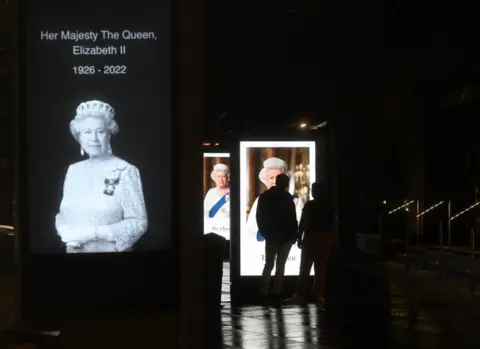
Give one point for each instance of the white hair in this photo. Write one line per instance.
(272, 163)
(97, 109)
(220, 167)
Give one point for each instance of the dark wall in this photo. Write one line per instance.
(452, 155)
(378, 155)
(6, 172)
(6, 165)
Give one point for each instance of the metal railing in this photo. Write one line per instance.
(380, 218)
(465, 211)
(420, 215)
(440, 255)
(405, 206)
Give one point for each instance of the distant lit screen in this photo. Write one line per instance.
(259, 163)
(98, 125)
(216, 190)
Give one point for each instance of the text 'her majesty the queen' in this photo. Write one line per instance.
(92, 36)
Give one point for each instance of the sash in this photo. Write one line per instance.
(260, 237)
(215, 208)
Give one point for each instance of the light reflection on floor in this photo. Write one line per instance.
(366, 320)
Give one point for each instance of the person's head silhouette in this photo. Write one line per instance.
(282, 181)
(319, 191)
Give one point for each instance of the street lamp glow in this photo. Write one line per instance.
(303, 125)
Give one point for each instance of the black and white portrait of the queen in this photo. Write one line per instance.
(103, 207)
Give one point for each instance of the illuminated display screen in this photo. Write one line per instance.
(216, 203)
(260, 162)
(98, 125)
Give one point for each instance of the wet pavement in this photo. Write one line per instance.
(366, 305)
(363, 308)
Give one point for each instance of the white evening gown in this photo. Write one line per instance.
(90, 220)
(220, 222)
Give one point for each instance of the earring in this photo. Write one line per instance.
(109, 149)
(82, 153)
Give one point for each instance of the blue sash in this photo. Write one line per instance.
(260, 237)
(215, 208)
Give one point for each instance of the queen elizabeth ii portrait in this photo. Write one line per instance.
(272, 167)
(217, 202)
(103, 207)
(260, 162)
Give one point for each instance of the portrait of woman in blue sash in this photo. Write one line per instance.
(272, 167)
(102, 207)
(217, 203)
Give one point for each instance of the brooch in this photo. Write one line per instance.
(112, 181)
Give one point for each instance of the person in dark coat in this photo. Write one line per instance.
(317, 234)
(277, 220)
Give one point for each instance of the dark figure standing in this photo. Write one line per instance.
(317, 234)
(276, 219)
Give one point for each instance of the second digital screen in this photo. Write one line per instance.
(216, 187)
(260, 163)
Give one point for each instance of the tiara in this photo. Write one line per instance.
(220, 167)
(95, 108)
(274, 162)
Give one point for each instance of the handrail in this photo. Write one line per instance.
(400, 207)
(8, 228)
(472, 232)
(464, 211)
(429, 209)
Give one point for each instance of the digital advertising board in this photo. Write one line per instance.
(97, 154)
(98, 122)
(216, 184)
(260, 162)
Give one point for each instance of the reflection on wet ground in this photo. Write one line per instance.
(361, 310)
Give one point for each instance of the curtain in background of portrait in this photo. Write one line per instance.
(206, 175)
(291, 170)
(255, 158)
(251, 182)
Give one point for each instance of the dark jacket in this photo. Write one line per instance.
(276, 217)
(317, 216)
